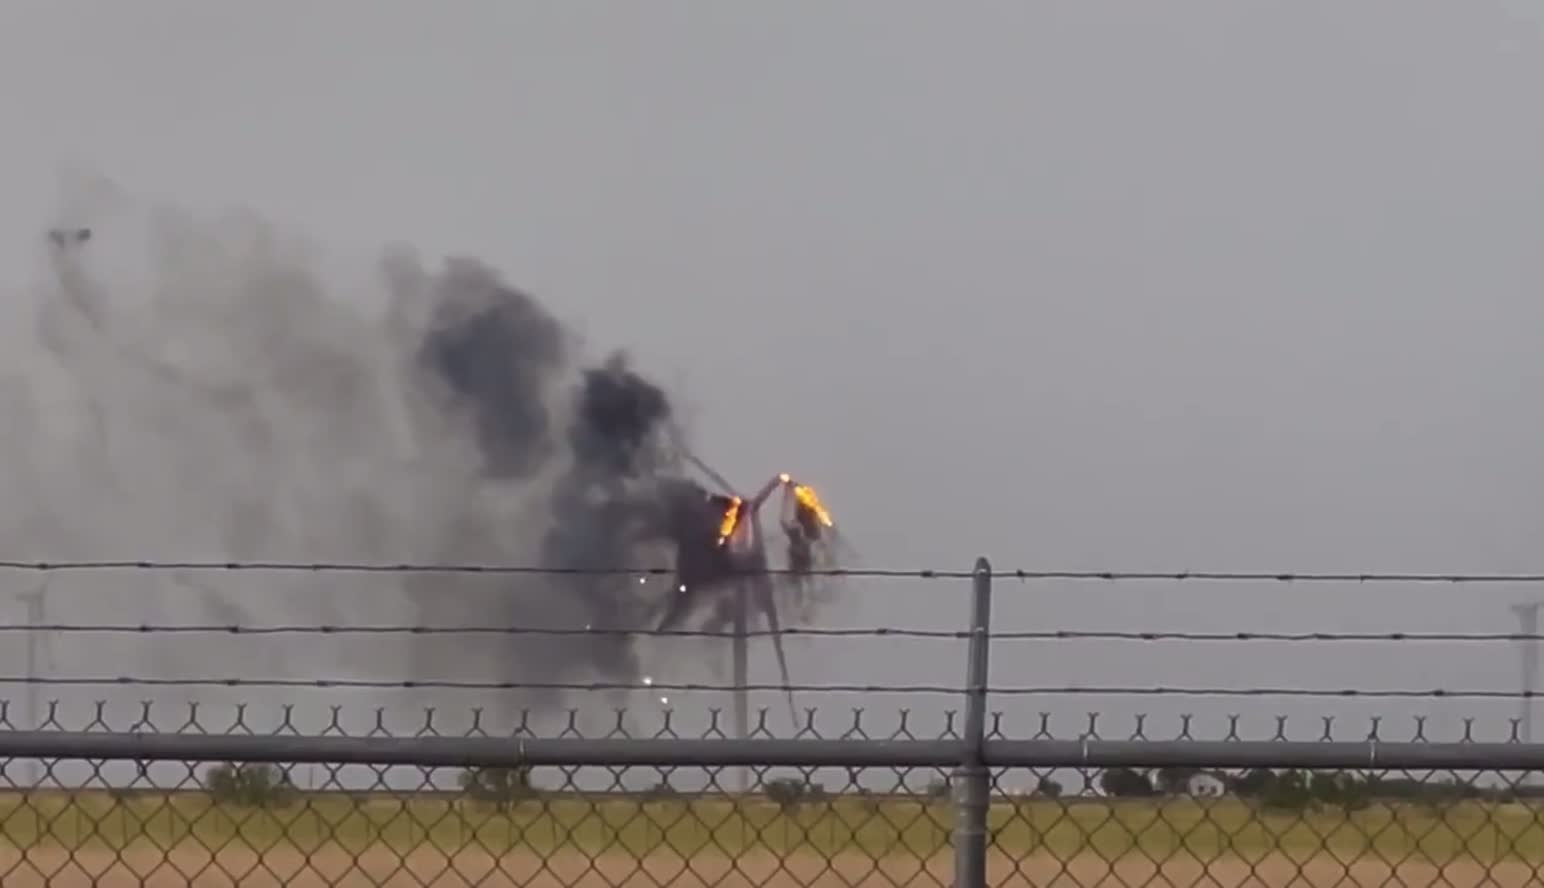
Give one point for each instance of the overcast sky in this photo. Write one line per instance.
(1075, 285)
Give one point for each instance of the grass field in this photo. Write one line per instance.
(99, 840)
(1484, 833)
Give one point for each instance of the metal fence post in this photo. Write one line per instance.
(971, 782)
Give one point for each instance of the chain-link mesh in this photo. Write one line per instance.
(132, 821)
(1196, 826)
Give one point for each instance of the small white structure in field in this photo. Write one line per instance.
(1205, 785)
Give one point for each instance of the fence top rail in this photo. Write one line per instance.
(465, 752)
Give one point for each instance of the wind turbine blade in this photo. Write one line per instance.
(686, 453)
(772, 484)
(769, 607)
(706, 469)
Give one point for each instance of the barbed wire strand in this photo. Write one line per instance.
(794, 632)
(1020, 574)
(657, 686)
(590, 632)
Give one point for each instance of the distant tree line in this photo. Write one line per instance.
(264, 785)
(1295, 789)
(269, 786)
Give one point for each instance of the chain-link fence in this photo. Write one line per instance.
(221, 800)
(159, 792)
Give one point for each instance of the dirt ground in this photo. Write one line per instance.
(384, 869)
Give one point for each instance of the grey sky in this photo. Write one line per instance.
(1077, 285)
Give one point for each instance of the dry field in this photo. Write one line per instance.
(95, 839)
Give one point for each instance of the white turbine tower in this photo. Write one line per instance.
(1528, 625)
(36, 603)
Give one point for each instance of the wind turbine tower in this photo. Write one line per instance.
(35, 601)
(1528, 624)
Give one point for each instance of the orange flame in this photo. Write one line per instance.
(730, 521)
(808, 499)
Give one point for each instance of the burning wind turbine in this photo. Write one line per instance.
(734, 553)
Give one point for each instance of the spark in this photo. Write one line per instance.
(648, 681)
(681, 588)
(643, 581)
(664, 701)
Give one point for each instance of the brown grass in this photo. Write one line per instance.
(96, 839)
(1478, 833)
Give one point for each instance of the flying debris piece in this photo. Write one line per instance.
(67, 237)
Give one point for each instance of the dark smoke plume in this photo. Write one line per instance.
(200, 389)
(497, 351)
(618, 493)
